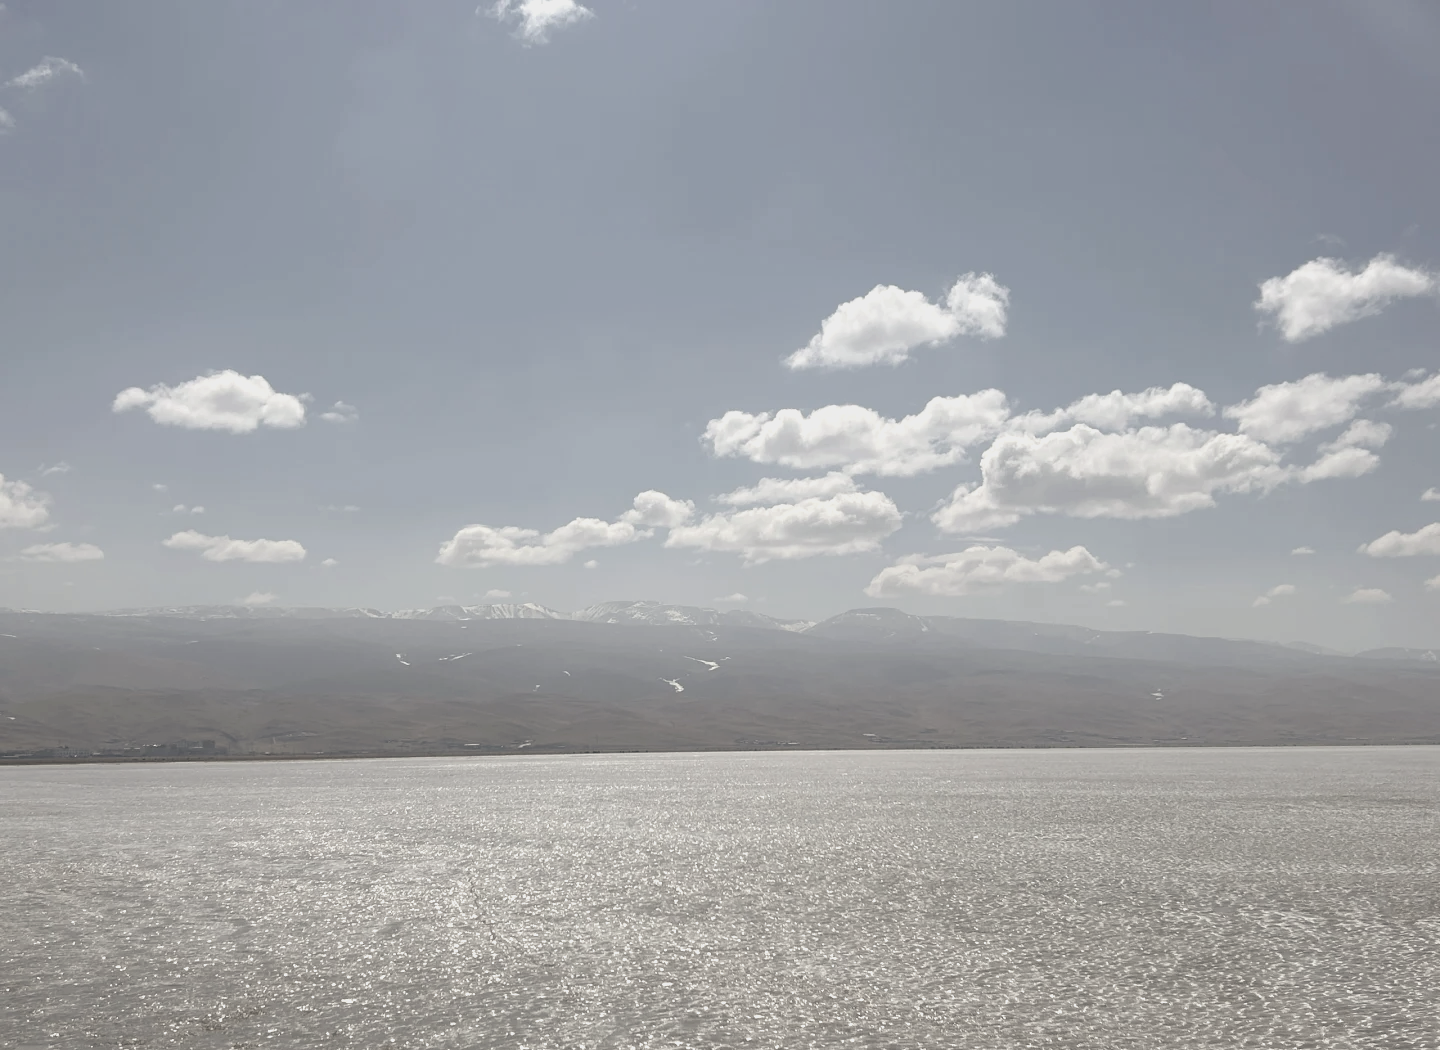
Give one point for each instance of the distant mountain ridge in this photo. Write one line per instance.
(645, 675)
(879, 626)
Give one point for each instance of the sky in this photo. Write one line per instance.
(1118, 314)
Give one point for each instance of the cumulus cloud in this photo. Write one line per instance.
(68, 553)
(220, 401)
(1117, 410)
(657, 510)
(860, 440)
(7, 122)
(22, 507)
(592, 564)
(1349, 455)
(1286, 412)
(495, 594)
(480, 546)
(886, 323)
(979, 568)
(46, 71)
(847, 523)
(731, 599)
(1303, 550)
(535, 19)
(1433, 583)
(1425, 393)
(1430, 495)
(255, 598)
(1280, 590)
(223, 548)
(1396, 544)
(329, 563)
(180, 508)
(340, 412)
(1367, 596)
(789, 490)
(1323, 293)
(1152, 472)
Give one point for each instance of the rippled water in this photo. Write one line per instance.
(1235, 898)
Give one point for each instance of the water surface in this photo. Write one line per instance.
(1267, 898)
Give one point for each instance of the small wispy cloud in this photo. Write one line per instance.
(45, 71)
(534, 20)
(496, 593)
(1303, 550)
(340, 412)
(67, 553)
(1367, 596)
(255, 598)
(731, 599)
(55, 468)
(1278, 591)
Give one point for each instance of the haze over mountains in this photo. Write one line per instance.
(642, 675)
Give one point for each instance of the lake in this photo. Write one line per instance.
(1225, 898)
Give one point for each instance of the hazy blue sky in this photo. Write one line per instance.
(546, 258)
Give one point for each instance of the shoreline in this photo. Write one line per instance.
(321, 756)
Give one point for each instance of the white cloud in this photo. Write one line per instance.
(348, 508)
(1118, 410)
(731, 599)
(1281, 590)
(7, 122)
(22, 507)
(1116, 603)
(220, 401)
(223, 548)
(1430, 495)
(180, 508)
(1433, 583)
(859, 440)
(848, 523)
(255, 598)
(1422, 394)
(1152, 472)
(329, 563)
(62, 552)
(1367, 596)
(478, 546)
(979, 568)
(592, 564)
(657, 510)
(1362, 433)
(340, 412)
(1323, 293)
(534, 19)
(158, 487)
(55, 468)
(1096, 588)
(886, 323)
(789, 490)
(1303, 550)
(46, 70)
(1286, 412)
(494, 594)
(1398, 544)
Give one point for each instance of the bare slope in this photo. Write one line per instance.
(371, 682)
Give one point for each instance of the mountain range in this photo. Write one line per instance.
(650, 676)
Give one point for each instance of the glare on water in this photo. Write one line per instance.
(1229, 898)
